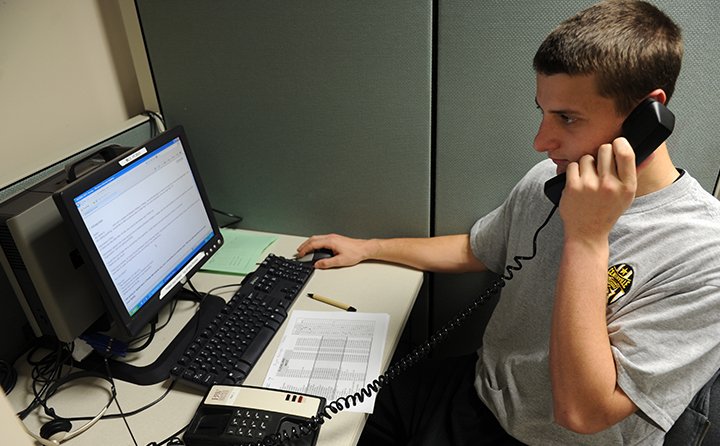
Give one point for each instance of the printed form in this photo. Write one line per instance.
(330, 354)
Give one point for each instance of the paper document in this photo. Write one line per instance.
(330, 354)
(239, 253)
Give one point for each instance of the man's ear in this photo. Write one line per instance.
(659, 95)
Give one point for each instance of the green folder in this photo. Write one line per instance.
(240, 253)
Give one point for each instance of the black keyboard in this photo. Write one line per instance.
(226, 349)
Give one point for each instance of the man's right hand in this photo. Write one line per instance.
(449, 253)
(346, 251)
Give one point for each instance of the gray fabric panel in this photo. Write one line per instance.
(306, 117)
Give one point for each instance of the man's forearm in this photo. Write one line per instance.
(451, 253)
(584, 380)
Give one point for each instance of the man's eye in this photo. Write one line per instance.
(567, 119)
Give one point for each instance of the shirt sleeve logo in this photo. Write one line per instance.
(620, 280)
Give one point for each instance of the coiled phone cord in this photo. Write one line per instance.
(409, 360)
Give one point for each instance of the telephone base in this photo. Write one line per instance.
(236, 415)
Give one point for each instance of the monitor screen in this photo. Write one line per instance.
(144, 224)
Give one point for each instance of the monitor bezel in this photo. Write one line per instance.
(64, 200)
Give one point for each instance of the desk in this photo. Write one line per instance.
(370, 287)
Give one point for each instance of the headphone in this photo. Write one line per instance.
(58, 429)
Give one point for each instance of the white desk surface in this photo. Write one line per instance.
(370, 287)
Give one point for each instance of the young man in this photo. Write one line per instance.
(607, 334)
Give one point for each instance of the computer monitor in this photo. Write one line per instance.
(144, 224)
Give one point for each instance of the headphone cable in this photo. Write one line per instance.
(117, 403)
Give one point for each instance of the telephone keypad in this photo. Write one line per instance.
(249, 424)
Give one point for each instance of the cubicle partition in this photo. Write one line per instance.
(378, 118)
(307, 116)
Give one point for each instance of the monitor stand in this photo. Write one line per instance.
(159, 370)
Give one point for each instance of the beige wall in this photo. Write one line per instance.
(68, 79)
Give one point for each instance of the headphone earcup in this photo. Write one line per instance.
(54, 427)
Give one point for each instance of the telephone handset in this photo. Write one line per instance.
(647, 126)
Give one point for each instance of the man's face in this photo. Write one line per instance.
(576, 120)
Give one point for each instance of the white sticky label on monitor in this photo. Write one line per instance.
(133, 156)
(181, 275)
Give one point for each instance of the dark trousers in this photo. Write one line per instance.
(434, 403)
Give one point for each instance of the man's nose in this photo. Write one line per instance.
(545, 139)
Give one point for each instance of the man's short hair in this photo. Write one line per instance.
(630, 46)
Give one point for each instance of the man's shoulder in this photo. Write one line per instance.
(542, 171)
(538, 175)
(698, 199)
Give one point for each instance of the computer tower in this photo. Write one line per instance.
(47, 274)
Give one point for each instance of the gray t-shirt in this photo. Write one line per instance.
(662, 314)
